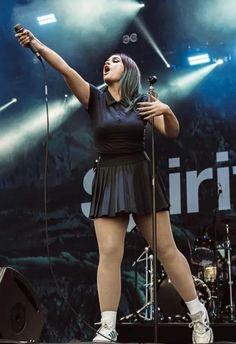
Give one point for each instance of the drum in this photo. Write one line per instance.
(203, 252)
(171, 305)
(210, 274)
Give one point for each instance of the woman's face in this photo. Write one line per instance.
(113, 69)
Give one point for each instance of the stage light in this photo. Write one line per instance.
(150, 40)
(30, 129)
(125, 39)
(99, 16)
(47, 19)
(3, 107)
(133, 37)
(65, 99)
(186, 83)
(141, 5)
(219, 61)
(198, 59)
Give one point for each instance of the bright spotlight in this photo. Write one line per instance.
(47, 19)
(100, 16)
(219, 61)
(65, 99)
(3, 107)
(198, 59)
(141, 5)
(186, 83)
(150, 39)
(32, 127)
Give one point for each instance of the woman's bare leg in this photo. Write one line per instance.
(110, 233)
(173, 261)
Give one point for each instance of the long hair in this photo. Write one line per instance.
(130, 82)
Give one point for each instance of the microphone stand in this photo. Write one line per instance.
(215, 252)
(151, 92)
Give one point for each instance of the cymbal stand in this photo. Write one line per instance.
(148, 308)
(146, 312)
(216, 294)
(232, 315)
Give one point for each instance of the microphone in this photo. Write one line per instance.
(152, 79)
(18, 29)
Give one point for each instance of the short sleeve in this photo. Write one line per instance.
(94, 97)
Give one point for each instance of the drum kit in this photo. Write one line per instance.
(214, 273)
(215, 261)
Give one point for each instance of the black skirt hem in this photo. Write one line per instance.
(124, 212)
(123, 185)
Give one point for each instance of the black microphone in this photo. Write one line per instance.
(18, 29)
(152, 79)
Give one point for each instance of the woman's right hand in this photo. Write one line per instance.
(25, 37)
(76, 83)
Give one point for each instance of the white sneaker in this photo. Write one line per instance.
(202, 332)
(105, 334)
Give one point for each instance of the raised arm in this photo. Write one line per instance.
(165, 120)
(76, 83)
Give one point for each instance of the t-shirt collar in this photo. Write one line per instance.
(110, 100)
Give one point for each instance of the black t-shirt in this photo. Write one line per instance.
(116, 131)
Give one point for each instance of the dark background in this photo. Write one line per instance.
(205, 109)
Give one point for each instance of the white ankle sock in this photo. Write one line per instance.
(109, 317)
(194, 306)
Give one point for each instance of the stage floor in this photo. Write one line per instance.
(168, 333)
(172, 333)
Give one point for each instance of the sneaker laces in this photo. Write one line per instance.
(106, 326)
(199, 326)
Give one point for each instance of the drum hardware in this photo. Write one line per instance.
(231, 306)
(203, 252)
(225, 248)
(210, 273)
(172, 307)
(215, 268)
(206, 257)
(145, 313)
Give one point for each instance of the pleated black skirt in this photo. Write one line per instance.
(123, 184)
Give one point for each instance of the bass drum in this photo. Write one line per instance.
(171, 306)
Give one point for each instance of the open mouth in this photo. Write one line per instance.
(106, 69)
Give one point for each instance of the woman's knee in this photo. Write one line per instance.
(110, 235)
(111, 251)
(167, 253)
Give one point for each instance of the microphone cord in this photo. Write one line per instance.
(18, 29)
(45, 180)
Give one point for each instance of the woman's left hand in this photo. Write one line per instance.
(152, 108)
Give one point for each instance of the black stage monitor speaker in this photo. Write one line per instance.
(20, 316)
